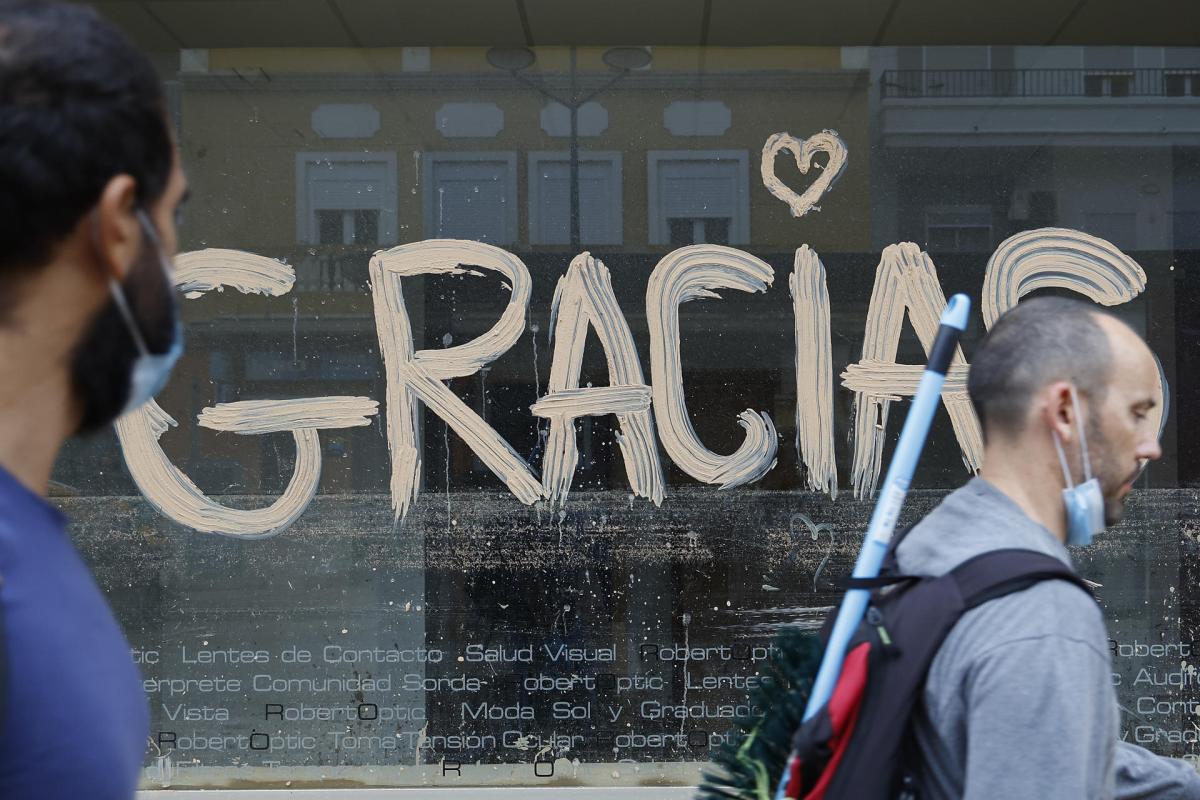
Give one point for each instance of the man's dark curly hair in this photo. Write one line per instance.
(79, 104)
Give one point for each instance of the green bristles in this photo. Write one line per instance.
(750, 764)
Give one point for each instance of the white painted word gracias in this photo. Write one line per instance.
(906, 283)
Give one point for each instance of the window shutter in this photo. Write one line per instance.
(346, 186)
(698, 189)
(597, 182)
(469, 201)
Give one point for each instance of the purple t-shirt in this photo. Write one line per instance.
(75, 720)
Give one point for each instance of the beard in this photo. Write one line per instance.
(1114, 510)
(102, 364)
(1106, 469)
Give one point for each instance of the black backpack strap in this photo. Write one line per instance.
(877, 582)
(889, 558)
(999, 572)
(889, 573)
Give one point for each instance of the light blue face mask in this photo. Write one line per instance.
(150, 370)
(1084, 503)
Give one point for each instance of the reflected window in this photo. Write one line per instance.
(357, 226)
(959, 230)
(699, 196)
(600, 204)
(346, 198)
(471, 196)
(1110, 71)
(1181, 84)
(693, 230)
(1108, 84)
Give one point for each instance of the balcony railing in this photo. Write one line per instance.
(914, 83)
(328, 268)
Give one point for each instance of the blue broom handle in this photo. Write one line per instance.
(887, 510)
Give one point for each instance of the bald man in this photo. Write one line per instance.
(1019, 701)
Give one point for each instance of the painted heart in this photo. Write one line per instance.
(824, 142)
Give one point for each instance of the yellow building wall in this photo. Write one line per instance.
(241, 134)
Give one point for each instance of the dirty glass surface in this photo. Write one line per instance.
(389, 525)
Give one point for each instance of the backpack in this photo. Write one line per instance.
(859, 745)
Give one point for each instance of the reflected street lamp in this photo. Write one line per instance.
(514, 60)
(511, 59)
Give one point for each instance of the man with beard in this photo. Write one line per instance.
(89, 186)
(1019, 701)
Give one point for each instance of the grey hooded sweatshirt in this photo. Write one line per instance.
(1019, 701)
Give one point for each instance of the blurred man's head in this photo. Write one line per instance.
(89, 187)
(1044, 354)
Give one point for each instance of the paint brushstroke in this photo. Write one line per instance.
(584, 298)
(906, 283)
(252, 417)
(415, 376)
(1064, 258)
(827, 142)
(173, 493)
(691, 273)
(202, 271)
(870, 375)
(177, 497)
(814, 371)
(1060, 258)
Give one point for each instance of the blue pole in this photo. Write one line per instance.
(887, 510)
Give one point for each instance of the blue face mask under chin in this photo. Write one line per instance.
(1084, 503)
(150, 370)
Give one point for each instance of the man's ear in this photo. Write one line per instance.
(116, 234)
(1056, 410)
